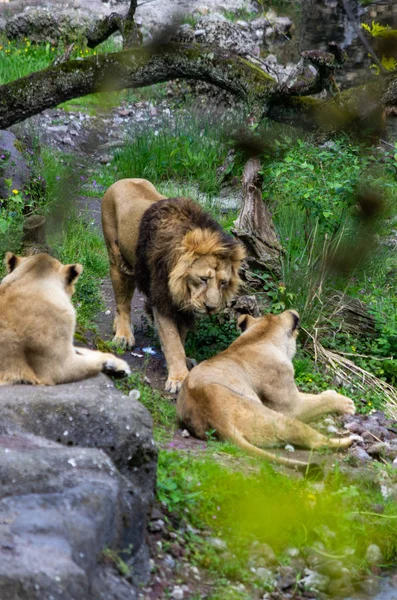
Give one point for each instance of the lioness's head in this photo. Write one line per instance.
(281, 330)
(205, 276)
(42, 266)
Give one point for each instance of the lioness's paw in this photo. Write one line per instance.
(174, 384)
(343, 404)
(126, 342)
(116, 366)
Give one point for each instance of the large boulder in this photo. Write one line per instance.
(60, 509)
(90, 413)
(13, 166)
(52, 22)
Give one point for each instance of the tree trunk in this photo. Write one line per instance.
(254, 225)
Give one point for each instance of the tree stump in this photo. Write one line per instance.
(254, 225)
(34, 235)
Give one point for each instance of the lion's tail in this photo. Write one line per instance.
(239, 439)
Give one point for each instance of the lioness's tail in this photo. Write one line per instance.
(239, 439)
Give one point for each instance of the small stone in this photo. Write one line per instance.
(134, 394)
(264, 574)
(185, 433)
(360, 454)
(105, 159)
(286, 577)
(370, 586)
(157, 525)
(374, 555)
(289, 448)
(315, 581)
(169, 561)
(266, 552)
(217, 543)
(293, 552)
(177, 593)
(202, 10)
(332, 429)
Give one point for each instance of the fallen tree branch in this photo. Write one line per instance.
(142, 66)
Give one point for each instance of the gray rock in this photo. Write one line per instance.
(219, 33)
(360, 454)
(48, 23)
(90, 413)
(60, 508)
(374, 555)
(13, 166)
(315, 581)
(265, 553)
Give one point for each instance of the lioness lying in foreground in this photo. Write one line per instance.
(37, 323)
(247, 393)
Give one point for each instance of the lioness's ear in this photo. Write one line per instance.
(244, 322)
(11, 261)
(72, 273)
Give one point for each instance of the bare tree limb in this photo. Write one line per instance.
(142, 66)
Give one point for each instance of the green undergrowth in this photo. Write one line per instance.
(247, 508)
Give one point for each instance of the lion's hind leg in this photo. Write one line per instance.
(254, 426)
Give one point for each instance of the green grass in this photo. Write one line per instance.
(163, 410)
(188, 152)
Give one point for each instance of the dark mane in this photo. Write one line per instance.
(161, 231)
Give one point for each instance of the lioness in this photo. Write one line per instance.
(248, 394)
(37, 323)
(176, 254)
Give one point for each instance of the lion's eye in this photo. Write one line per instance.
(223, 282)
(204, 279)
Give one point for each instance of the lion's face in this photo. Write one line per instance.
(208, 281)
(281, 330)
(206, 276)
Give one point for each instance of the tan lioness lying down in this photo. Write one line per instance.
(37, 323)
(247, 393)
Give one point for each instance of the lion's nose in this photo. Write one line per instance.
(210, 308)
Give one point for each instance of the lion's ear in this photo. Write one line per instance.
(72, 273)
(244, 322)
(11, 261)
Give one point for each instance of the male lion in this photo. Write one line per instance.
(247, 393)
(176, 254)
(37, 323)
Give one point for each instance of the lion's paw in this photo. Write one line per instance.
(116, 366)
(126, 342)
(174, 384)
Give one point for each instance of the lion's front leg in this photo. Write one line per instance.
(173, 349)
(83, 362)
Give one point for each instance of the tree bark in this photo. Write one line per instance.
(242, 76)
(254, 225)
(139, 67)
